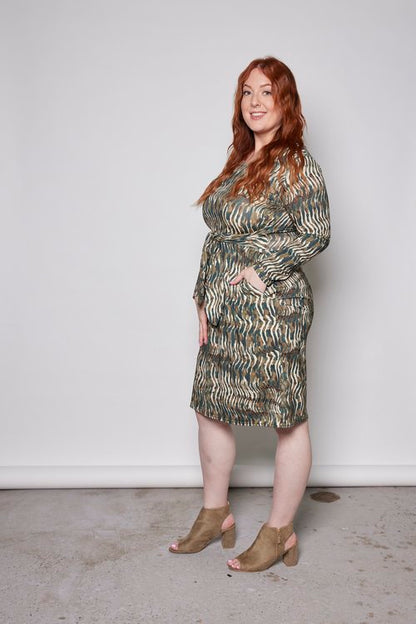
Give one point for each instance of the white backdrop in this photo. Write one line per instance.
(115, 116)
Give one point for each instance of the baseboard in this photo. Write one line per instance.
(26, 477)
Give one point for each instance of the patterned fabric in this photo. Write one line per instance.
(252, 371)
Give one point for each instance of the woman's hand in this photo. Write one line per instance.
(249, 274)
(203, 323)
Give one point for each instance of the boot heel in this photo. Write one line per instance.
(228, 537)
(290, 558)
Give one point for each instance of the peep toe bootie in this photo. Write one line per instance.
(207, 527)
(267, 548)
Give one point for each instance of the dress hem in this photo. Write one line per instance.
(227, 421)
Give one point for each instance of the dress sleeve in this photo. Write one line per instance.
(199, 289)
(308, 208)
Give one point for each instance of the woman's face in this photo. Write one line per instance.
(258, 107)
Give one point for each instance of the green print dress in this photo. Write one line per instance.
(252, 371)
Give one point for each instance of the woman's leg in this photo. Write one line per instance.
(292, 467)
(217, 454)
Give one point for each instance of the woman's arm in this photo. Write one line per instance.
(308, 208)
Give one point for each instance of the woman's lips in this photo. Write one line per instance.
(257, 115)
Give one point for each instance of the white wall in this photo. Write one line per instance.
(115, 116)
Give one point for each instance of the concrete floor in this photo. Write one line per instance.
(87, 556)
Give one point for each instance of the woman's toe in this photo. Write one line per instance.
(174, 546)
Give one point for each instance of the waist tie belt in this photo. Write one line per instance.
(212, 270)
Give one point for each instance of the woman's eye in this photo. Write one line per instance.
(246, 92)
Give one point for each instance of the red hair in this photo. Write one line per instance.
(287, 144)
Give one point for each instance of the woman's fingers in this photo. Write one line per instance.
(203, 332)
(250, 275)
(238, 278)
(203, 325)
(254, 279)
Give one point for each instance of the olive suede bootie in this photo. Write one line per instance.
(267, 548)
(207, 526)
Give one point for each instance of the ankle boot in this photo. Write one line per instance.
(207, 527)
(267, 548)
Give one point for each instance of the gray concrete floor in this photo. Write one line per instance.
(87, 556)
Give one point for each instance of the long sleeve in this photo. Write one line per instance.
(308, 208)
(199, 290)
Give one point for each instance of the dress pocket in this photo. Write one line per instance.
(248, 287)
(293, 318)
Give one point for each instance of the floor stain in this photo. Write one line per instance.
(273, 576)
(102, 553)
(142, 493)
(369, 542)
(324, 496)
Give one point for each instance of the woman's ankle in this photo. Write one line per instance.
(228, 522)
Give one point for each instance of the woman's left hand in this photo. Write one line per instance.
(249, 274)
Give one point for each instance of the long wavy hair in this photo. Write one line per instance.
(286, 146)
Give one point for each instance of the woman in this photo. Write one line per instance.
(268, 214)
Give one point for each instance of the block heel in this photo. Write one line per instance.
(228, 537)
(290, 558)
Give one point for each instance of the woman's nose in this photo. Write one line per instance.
(254, 100)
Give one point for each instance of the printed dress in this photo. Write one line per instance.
(252, 371)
